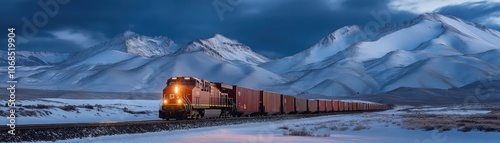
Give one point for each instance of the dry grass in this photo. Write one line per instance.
(284, 127)
(360, 127)
(301, 132)
(320, 127)
(343, 128)
(323, 135)
(465, 123)
(304, 132)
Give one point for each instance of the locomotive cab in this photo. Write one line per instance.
(189, 97)
(176, 97)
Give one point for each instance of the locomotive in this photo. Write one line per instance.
(194, 98)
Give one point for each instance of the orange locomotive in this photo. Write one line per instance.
(189, 97)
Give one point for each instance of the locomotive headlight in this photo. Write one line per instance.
(179, 101)
(165, 101)
(176, 89)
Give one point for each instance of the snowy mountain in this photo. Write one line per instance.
(135, 63)
(34, 58)
(224, 48)
(122, 47)
(430, 51)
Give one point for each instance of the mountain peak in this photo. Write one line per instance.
(221, 47)
(222, 38)
(219, 36)
(346, 30)
(128, 33)
(131, 43)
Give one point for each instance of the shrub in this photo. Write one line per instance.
(360, 127)
(302, 132)
(283, 127)
(68, 108)
(334, 128)
(343, 128)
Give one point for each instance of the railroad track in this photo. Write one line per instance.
(54, 132)
(91, 124)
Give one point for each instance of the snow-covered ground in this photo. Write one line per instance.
(386, 126)
(50, 110)
(448, 110)
(347, 128)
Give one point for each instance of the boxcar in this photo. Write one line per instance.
(346, 108)
(246, 100)
(312, 105)
(329, 106)
(271, 102)
(321, 105)
(351, 106)
(288, 104)
(335, 105)
(300, 105)
(341, 106)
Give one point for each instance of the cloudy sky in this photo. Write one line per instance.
(274, 28)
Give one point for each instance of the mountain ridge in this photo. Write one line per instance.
(429, 51)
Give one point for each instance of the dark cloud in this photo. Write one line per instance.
(479, 12)
(274, 28)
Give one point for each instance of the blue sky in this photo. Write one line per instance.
(274, 28)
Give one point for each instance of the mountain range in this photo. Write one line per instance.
(430, 51)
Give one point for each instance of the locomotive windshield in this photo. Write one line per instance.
(186, 82)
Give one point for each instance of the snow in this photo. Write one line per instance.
(224, 48)
(103, 58)
(424, 31)
(449, 110)
(380, 128)
(112, 110)
(430, 51)
(34, 58)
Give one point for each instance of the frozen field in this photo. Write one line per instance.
(426, 124)
(53, 110)
(381, 127)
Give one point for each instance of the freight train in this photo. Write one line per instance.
(194, 98)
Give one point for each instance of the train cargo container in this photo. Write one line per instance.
(288, 104)
(300, 105)
(344, 106)
(246, 100)
(335, 105)
(341, 106)
(347, 108)
(312, 106)
(271, 102)
(321, 105)
(329, 106)
(353, 106)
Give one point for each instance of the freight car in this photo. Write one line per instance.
(193, 98)
(288, 105)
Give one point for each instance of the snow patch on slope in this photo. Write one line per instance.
(224, 48)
